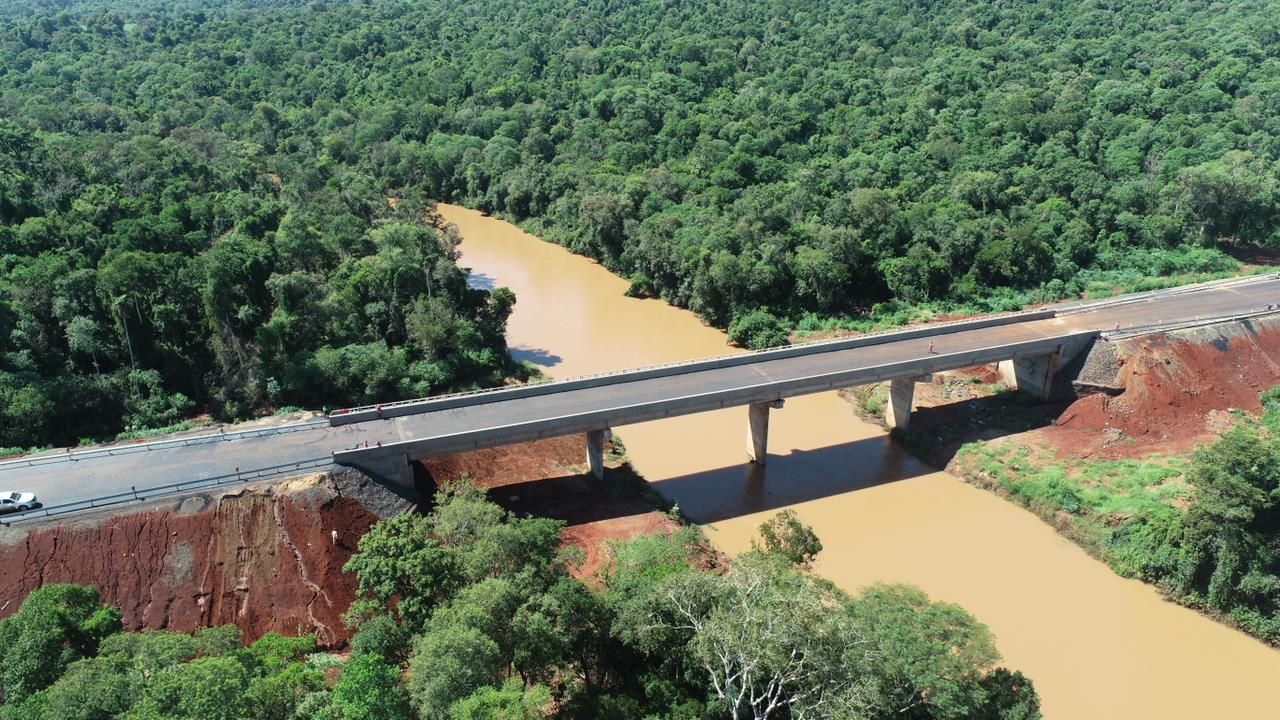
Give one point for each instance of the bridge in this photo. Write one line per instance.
(1029, 347)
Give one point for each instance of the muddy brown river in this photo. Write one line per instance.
(1095, 644)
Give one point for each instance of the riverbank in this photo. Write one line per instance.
(1096, 645)
(1109, 468)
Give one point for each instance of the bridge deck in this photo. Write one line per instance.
(70, 481)
(621, 403)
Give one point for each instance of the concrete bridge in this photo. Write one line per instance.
(1028, 347)
(1035, 351)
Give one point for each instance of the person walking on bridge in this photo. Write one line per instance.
(931, 352)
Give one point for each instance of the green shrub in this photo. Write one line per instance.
(381, 635)
(757, 330)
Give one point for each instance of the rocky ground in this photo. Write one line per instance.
(1177, 391)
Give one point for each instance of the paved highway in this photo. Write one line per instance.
(103, 474)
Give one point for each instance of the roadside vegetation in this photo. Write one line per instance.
(1205, 529)
(470, 613)
(194, 195)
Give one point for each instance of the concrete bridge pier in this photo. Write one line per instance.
(758, 430)
(902, 392)
(595, 450)
(1032, 375)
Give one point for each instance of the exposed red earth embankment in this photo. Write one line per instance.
(1176, 388)
(261, 558)
(544, 478)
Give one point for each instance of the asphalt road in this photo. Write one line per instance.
(73, 481)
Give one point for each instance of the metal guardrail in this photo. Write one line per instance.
(161, 491)
(404, 407)
(1170, 325)
(69, 455)
(1090, 305)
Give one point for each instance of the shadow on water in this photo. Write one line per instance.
(793, 477)
(537, 356)
(480, 281)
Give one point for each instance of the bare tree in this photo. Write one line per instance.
(775, 642)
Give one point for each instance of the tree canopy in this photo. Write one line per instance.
(194, 195)
(498, 629)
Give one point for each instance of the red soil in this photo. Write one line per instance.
(495, 467)
(544, 478)
(262, 559)
(1173, 390)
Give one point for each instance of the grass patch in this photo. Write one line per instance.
(921, 443)
(13, 451)
(152, 432)
(1088, 500)
(324, 661)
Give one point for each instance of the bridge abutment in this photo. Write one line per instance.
(595, 451)
(1032, 375)
(902, 392)
(391, 470)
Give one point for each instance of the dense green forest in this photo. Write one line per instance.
(470, 614)
(192, 193)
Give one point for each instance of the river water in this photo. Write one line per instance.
(1096, 645)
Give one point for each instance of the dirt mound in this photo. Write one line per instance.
(1175, 388)
(261, 558)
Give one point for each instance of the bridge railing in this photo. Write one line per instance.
(127, 448)
(702, 401)
(1088, 305)
(165, 490)
(1186, 324)
(367, 413)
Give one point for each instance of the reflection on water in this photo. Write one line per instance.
(1096, 645)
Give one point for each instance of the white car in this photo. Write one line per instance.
(16, 501)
